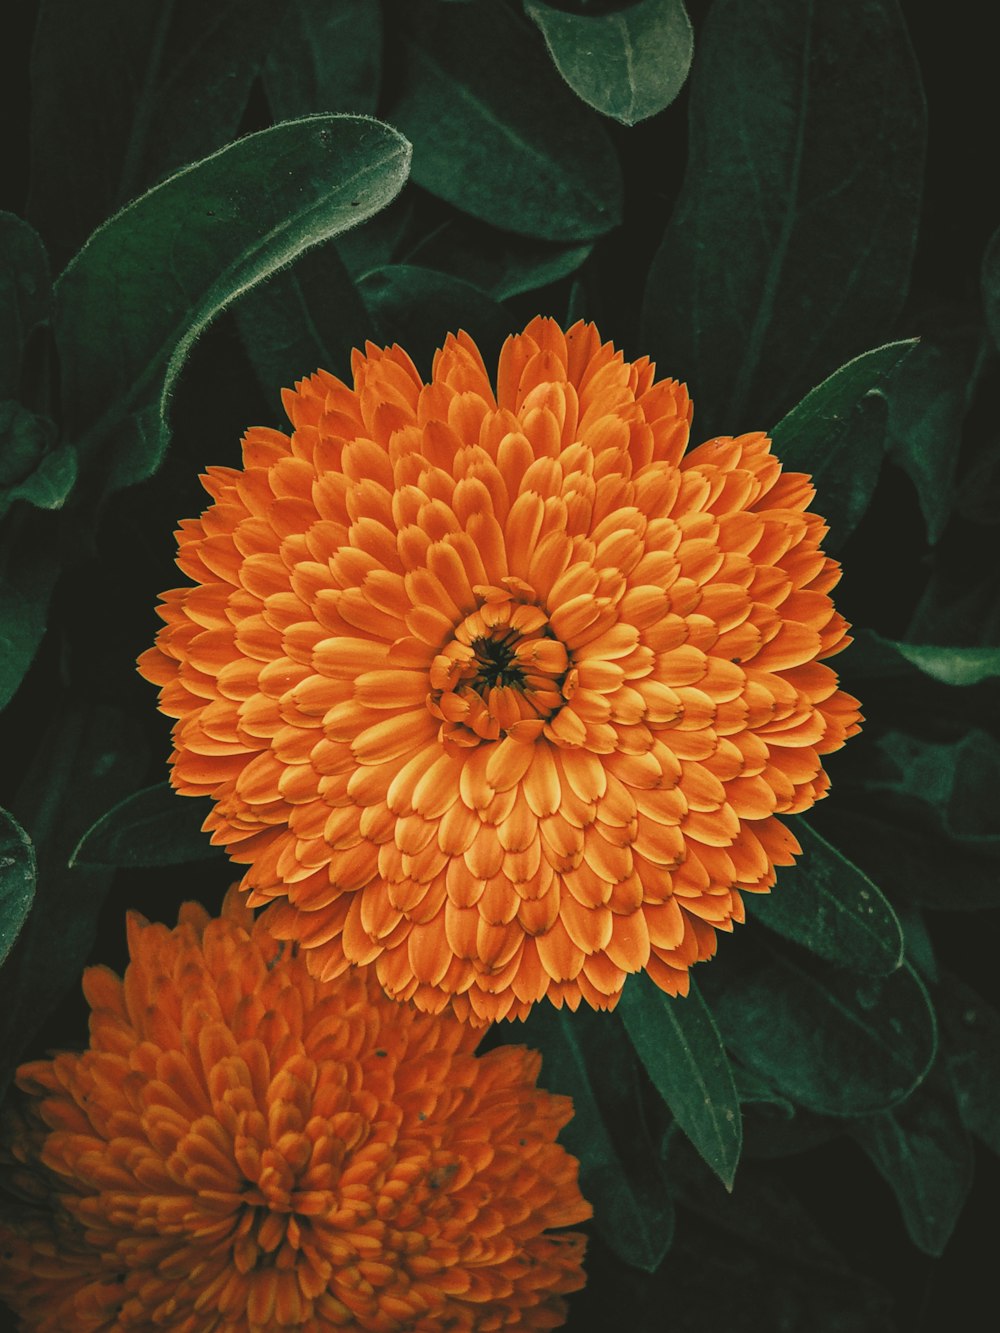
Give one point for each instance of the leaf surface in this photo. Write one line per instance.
(789, 249)
(629, 63)
(148, 282)
(679, 1044)
(152, 827)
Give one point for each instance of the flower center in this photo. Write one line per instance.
(503, 673)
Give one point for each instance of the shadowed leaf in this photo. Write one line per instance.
(628, 64)
(152, 827)
(495, 131)
(17, 880)
(679, 1044)
(830, 907)
(324, 57)
(146, 284)
(789, 248)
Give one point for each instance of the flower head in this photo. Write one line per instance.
(500, 690)
(247, 1147)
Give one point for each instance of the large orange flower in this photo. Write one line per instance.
(502, 691)
(246, 1147)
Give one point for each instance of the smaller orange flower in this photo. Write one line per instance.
(246, 1147)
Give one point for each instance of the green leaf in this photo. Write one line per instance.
(584, 1057)
(929, 395)
(147, 283)
(496, 262)
(495, 131)
(26, 437)
(30, 566)
(830, 907)
(951, 786)
(375, 242)
(836, 434)
(970, 1037)
(418, 307)
(152, 827)
(991, 287)
(124, 93)
(922, 1150)
(25, 295)
(790, 245)
(873, 655)
(905, 853)
(829, 1039)
(324, 57)
(87, 759)
(302, 319)
(628, 64)
(680, 1046)
(17, 880)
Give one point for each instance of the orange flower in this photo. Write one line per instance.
(246, 1147)
(502, 691)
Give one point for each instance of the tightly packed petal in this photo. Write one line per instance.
(247, 1147)
(498, 688)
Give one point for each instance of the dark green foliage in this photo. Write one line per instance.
(830, 907)
(789, 249)
(221, 196)
(153, 827)
(585, 1057)
(494, 130)
(628, 63)
(17, 880)
(149, 281)
(679, 1044)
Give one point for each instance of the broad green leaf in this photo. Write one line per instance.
(928, 397)
(628, 64)
(147, 283)
(495, 131)
(152, 827)
(922, 1150)
(125, 93)
(25, 295)
(17, 880)
(30, 467)
(87, 759)
(952, 786)
(324, 57)
(29, 566)
(418, 307)
(874, 655)
(375, 242)
(789, 249)
(830, 907)
(303, 318)
(830, 1039)
(584, 1057)
(680, 1046)
(970, 1039)
(905, 852)
(991, 287)
(836, 434)
(497, 262)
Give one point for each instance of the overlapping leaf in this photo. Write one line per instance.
(324, 58)
(830, 907)
(629, 63)
(789, 248)
(152, 827)
(495, 131)
(146, 284)
(123, 94)
(584, 1057)
(17, 880)
(830, 1039)
(679, 1044)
